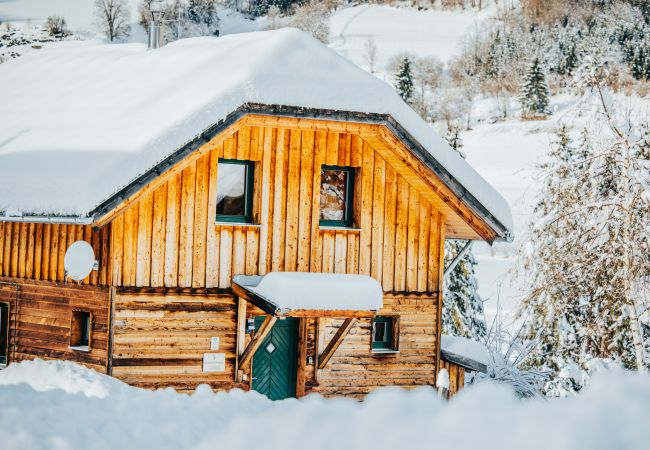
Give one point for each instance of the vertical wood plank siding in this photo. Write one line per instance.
(36, 251)
(171, 237)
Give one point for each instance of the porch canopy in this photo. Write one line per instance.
(464, 352)
(307, 294)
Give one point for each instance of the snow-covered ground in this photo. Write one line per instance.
(61, 406)
(397, 30)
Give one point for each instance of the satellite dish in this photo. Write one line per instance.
(79, 260)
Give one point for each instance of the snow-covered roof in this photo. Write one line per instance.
(288, 291)
(81, 122)
(464, 352)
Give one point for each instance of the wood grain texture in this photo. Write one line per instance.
(40, 319)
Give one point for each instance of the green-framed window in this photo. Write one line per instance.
(336, 196)
(235, 190)
(383, 329)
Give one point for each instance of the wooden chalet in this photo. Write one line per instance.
(199, 228)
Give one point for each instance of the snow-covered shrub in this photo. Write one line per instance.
(312, 18)
(508, 354)
(55, 26)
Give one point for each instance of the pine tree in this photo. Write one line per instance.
(462, 306)
(404, 80)
(534, 92)
(202, 17)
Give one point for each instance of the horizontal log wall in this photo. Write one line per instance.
(169, 236)
(355, 371)
(40, 318)
(36, 250)
(159, 339)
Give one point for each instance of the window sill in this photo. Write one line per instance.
(237, 224)
(331, 228)
(79, 348)
(377, 351)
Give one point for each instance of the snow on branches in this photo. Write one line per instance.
(589, 245)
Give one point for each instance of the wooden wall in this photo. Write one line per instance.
(354, 370)
(40, 316)
(169, 236)
(36, 250)
(159, 339)
(456, 376)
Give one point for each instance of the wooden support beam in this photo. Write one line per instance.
(336, 341)
(253, 345)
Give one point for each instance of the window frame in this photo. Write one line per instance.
(248, 194)
(348, 213)
(77, 330)
(391, 342)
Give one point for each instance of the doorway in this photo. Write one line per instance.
(275, 361)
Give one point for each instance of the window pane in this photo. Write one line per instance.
(231, 189)
(380, 332)
(333, 194)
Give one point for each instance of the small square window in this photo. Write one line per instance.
(336, 192)
(385, 333)
(234, 191)
(80, 330)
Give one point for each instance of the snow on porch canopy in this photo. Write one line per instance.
(282, 293)
(464, 352)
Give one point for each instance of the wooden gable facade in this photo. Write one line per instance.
(163, 288)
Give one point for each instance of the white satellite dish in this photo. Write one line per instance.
(79, 260)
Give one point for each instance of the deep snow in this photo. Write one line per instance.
(104, 413)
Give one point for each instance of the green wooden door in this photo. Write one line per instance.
(274, 363)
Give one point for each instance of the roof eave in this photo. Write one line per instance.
(500, 230)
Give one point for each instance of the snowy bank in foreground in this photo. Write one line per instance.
(611, 414)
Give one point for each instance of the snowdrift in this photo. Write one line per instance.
(80, 409)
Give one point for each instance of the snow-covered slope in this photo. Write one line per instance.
(611, 414)
(397, 30)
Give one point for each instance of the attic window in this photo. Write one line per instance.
(80, 330)
(235, 191)
(336, 192)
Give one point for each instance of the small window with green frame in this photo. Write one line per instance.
(385, 334)
(336, 196)
(235, 190)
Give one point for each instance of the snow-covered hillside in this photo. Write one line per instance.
(58, 405)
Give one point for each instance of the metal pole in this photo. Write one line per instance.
(454, 262)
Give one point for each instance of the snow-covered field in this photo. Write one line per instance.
(60, 406)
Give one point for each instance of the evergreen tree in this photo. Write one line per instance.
(462, 306)
(404, 80)
(202, 17)
(534, 92)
